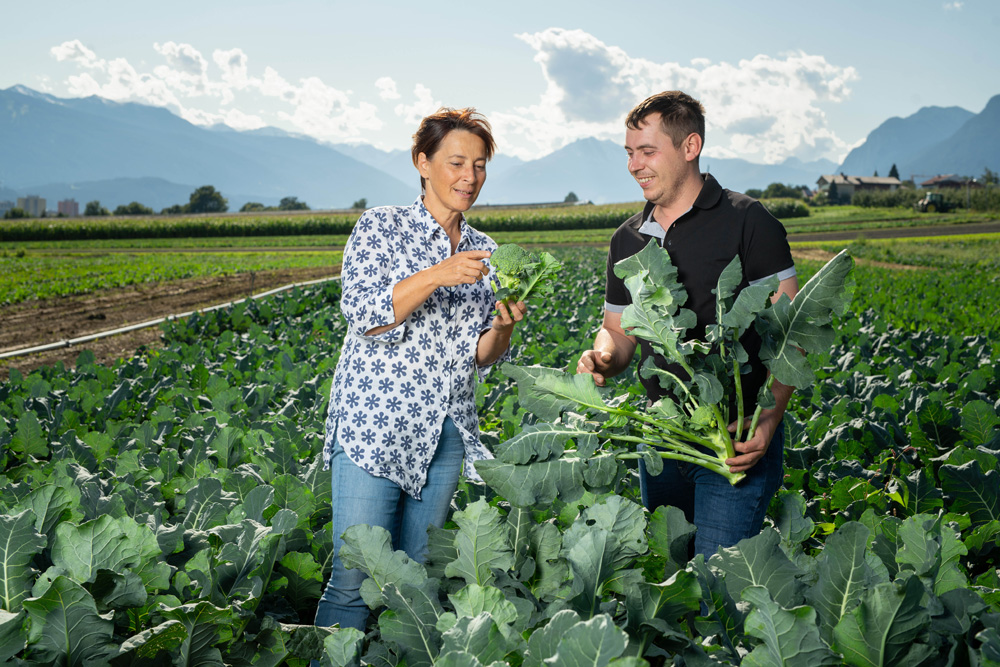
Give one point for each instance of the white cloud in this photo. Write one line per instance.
(424, 105)
(186, 84)
(954, 6)
(387, 88)
(763, 109)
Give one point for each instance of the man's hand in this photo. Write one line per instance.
(750, 452)
(598, 364)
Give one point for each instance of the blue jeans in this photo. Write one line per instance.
(362, 498)
(723, 514)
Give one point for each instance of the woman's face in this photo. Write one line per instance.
(454, 175)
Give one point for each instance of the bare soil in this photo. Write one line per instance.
(818, 255)
(39, 323)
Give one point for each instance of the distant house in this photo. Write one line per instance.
(6, 206)
(950, 181)
(848, 185)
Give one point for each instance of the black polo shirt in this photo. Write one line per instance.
(719, 226)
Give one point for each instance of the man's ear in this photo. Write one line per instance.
(692, 147)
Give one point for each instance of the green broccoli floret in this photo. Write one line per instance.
(522, 274)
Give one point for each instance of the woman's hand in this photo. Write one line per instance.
(462, 268)
(496, 339)
(507, 316)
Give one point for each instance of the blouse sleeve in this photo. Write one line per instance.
(367, 283)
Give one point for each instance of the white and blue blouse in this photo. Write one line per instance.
(392, 391)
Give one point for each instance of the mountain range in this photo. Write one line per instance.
(92, 148)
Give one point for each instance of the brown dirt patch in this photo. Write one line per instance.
(818, 255)
(53, 320)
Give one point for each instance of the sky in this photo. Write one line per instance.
(778, 79)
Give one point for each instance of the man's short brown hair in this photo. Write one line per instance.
(680, 115)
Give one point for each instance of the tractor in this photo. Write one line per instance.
(934, 201)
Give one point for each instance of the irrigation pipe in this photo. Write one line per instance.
(151, 323)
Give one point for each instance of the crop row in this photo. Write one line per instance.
(173, 508)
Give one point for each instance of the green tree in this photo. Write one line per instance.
(252, 206)
(207, 200)
(833, 196)
(756, 193)
(875, 174)
(176, 209)
(780, 190)
(133, 208)
(893, 172)
(989, 177)
(95, 208)
(13, 213)
(361, 203)
(292, 204)
(571, 198)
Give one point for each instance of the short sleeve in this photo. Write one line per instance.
(366, 278)
(766, 250)
(616, 296)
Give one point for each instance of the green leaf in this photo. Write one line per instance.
(411, 621)
(547, 392)
(552, 572)
(882, 630)
(933, 551)
(804, 322)
(843, 574)
(482, 542)
(206, 626)
(65, 627)
(343, 648)
(244, 564)
(790, 636)
(759, 561)
(922, 495)
(474, 600)
(622, 518)
(110, 544)
(148, 644)
(12, 634)
(675, 597)
(535, 484)
(305, 579)
(29, 439)
(369, 548)
(541, 442)
(19, 542)
(591, 643)
(979, 422)
(114, 590)
(478, 636)
(592, 560)
(543, 644)
(206, 505)
(669, 535)
(791, 522)
(971, 492)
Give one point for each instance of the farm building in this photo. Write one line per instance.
(950, 181)
(848, 185)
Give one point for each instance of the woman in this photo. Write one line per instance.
(419, 309)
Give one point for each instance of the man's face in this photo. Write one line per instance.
(656, 164)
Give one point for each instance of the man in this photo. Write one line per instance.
(702, 226)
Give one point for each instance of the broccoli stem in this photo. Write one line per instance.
(756, 413)
(739, 400)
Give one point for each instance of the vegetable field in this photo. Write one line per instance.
(172, 509)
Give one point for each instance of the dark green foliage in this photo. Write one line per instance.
(786, 208)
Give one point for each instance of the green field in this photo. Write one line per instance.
(43, 275)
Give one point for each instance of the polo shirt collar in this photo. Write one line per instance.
(711, 193)
(425, 226)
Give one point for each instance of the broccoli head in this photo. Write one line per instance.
(522, 274)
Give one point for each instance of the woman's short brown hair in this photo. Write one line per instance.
(435, 127)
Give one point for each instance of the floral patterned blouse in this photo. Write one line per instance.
(392, 391)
